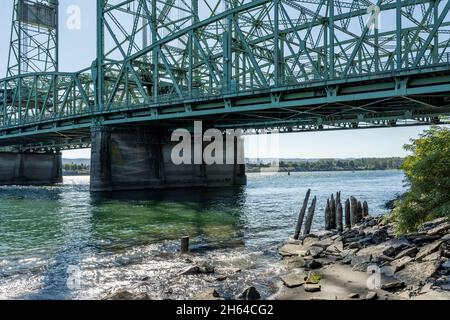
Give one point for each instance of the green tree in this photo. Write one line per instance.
(428, 172)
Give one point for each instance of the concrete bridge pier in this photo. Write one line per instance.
(30, 168)
(135, 158)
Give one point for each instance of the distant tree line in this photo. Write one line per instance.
(73, 167)
(334, 165)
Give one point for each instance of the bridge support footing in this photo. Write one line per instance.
(140, 158)
(30, 168)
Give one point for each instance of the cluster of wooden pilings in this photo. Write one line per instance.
(337, 217)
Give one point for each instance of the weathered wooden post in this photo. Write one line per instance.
(339, 217)
(360, 211)
(365, 209)
(184, 245)
(301, 215)
(309, 218)
(338, 197)
(333, 212)
(353, 211)
(348, 222)
(328, 216)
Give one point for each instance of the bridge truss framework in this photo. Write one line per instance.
(277, 65)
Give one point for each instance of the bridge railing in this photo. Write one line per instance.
(44, 97)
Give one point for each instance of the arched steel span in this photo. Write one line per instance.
(287, 64)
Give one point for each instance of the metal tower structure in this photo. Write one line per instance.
(34, 37)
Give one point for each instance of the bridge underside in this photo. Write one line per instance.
(419, 99)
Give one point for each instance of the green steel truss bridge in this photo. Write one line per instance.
(277, 65)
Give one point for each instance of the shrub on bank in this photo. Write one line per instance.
(428, 174)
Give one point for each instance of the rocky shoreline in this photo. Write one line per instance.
(365, 262)
(368, 262)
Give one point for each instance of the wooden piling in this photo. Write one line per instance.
(365, 209)
(353, 211)
(333, 212)
(360, 211)
(338, 197)
(339, 217)
(184, 245)
(309, 218)
(301, 215)
(328, 216)
(348, 223)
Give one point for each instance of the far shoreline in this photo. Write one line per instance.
(80, 174)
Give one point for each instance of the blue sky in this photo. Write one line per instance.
(77, 50)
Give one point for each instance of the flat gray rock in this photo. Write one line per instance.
(439, 230)
(357, 260)
(392, 284)
(428, 249)
(293, 250)
(310, 240)
(293, 280)
(325, 243)
(417, 273)
(433, 223)
(315, 251)
(208, 294)
(410, 252)
(294, 262)
(336, 248)
(432, 257)
(312, 287)
(399, 264)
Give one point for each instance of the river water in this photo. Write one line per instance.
(63, 242)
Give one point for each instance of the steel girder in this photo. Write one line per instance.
(260, 63)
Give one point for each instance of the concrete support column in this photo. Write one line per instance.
(140, 158)
(30, 168)
(101, 178)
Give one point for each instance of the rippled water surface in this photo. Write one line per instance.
(130, 239)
